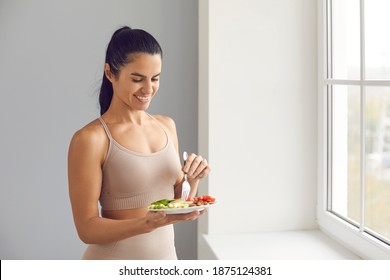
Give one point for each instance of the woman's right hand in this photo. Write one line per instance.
(158, 219)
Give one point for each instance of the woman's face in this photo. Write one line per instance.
(137, 82)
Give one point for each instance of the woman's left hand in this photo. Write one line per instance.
(196, 167)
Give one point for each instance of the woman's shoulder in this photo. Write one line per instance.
(91, 134)
(167, 121)
(88, 146)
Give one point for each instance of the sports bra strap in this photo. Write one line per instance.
(105, 128)
(159, 124)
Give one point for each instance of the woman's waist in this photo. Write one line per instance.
(157, 244)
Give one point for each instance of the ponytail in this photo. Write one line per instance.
(105, 95)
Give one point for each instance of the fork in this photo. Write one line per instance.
(185, 188)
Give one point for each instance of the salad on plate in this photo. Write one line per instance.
(179, 206)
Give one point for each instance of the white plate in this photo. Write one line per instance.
(182, 210)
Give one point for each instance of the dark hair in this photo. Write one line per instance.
(124, 42)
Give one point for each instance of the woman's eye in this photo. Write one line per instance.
(140, 80)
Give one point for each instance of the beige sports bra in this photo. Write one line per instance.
(134, 180)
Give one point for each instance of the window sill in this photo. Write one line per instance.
(360, 243)
(290, 245)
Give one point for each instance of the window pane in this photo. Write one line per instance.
(377, 190)
(345, 39)
(345, 198)
(377, 23)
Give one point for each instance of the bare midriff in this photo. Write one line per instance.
(124, 214)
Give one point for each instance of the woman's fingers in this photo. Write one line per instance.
(175, 218)
(159, 218)
(196, 166)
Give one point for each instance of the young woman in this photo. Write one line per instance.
(126, 159)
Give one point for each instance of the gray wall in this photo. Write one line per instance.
(51, 61)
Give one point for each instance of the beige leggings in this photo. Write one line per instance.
(156, 245)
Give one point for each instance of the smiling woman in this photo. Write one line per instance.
(67, 41)
(127, 159)
(136, 89)
(124, 51)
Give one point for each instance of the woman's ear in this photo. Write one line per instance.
(107, 72)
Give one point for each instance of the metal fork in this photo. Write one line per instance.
(185, 188)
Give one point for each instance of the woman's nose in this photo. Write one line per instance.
(147, 88)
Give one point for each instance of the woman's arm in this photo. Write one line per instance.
(85, 158)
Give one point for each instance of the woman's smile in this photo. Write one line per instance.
(142, 98)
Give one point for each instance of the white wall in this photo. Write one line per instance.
(259, 103)
(51, 62)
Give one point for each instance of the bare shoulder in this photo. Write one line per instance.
(92, 132)
(169, 124)
(91, 137)
(167, 121)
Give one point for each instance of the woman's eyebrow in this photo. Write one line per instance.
(143, 76)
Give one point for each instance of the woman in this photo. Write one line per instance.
(127, 159)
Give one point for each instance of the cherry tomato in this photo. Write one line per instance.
(208, 198)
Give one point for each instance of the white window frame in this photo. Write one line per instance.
(355, 239)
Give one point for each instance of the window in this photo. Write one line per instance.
(354, 114)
